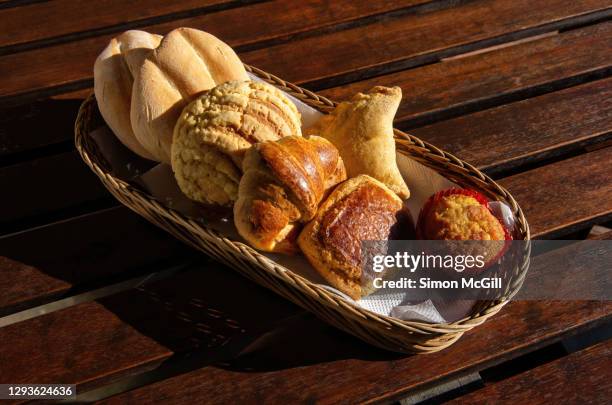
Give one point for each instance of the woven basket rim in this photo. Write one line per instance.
(433, 154)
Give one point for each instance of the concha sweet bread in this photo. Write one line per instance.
(214, 131)
(284, 181)
(186, 62)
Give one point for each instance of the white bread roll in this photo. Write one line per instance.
(113, 79)
(186, 62)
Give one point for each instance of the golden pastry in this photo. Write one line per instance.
(214, 131)
(284, 181)
(186, 62)
(360, 209)
(362, 130)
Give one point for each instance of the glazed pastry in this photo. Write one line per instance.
(284, 181)
(463, 215)
(114, 72)
(362, 130)
(186, 62)
(215, 130)
(360, 209)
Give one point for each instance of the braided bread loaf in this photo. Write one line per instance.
(282, 186)
(214, 131)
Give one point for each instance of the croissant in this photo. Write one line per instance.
(215, 130)
(360, 209)
(283, 183)
(362, 130)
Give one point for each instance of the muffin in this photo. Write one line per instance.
(463, 215)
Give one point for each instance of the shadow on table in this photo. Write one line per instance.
(210, 314)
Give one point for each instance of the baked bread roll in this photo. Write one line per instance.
(362, 130)
(114, 71)
(186, 62)
(284, 181)
(214, 131)
(360, 209)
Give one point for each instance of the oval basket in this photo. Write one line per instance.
(382, 331)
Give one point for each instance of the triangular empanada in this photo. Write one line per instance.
(362, 130)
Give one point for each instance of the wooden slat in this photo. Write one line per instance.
(73, 16)
(43, 185)
(565, 196)
(410, 40)
(22, 284)
(529, 324)
(39, 124)
(53, 259)
(94, 343)
(56, 354)
(72, 62)
(99, 342)
(324, 366)
(541, 127)
(116, 15)
(477, 81)
(584, 377)
(585, 179)
(520, 325)
(436, 91)
(495, 139)
(578, 271)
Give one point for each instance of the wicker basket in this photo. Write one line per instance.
(382, 331)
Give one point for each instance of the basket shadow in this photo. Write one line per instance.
(211, 313)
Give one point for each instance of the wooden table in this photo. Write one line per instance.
(93, 295)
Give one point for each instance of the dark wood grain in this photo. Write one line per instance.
(43, 185)
(348, 51)
(407, 41)
(114, 15)
(569, 271)
(584, 377)
(566, 195)
(26, 127)
(430, 92)
(97, 342)
(271, 350)
(51, 260)
(53, 349)
(21, 284)
(494, 139)
(71, 64)
(514, 134)
(520, 326)
(324, 366)
(72, 16)
(456, 86)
